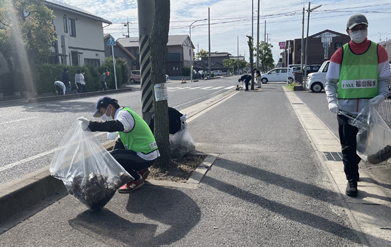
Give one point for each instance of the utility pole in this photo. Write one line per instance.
(126, 24)
(145, 22)
(252, 18)
(306, 41)
(237, 54)
(259, 1)
(302, 51)
(264, 38)
(209, 59)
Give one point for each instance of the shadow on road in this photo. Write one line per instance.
(286, 211)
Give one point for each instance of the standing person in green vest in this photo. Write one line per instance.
(135, 149)
(358, 74)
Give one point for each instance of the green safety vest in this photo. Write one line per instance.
(140, 139)
(359, 74)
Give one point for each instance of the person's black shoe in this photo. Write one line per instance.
(351, 188)
(246, 90)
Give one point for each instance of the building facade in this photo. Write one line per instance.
(79, 36)
(180, 52)
(321, 46)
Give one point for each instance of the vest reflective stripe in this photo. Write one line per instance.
(359, 74)
(140, 139)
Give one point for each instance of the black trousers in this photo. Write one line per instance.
(104, 87)
(129, 159)
(246, 82)
(347, 136)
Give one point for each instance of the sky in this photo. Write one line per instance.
(231, 20)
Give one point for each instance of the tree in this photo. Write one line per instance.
(158, 40)
(200, 54)
(250, 47)
(232, 63)
(26, 35)
(265, 55)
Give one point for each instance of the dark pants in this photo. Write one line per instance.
(104, 86)
(347, 136)
(60, 91)
(129, 160)
(247, 82)
(80, 88)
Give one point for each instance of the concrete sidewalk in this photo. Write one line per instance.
(267, 187)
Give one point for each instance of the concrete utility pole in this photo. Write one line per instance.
(264, 34)
(145, 22)
(209, 59)
(126, 24)
(237, 54)
(259, 2)
(252, 18)
(306, 41)
(302, 51)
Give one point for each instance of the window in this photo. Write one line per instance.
(338, 45)
(190, 52)
(72, 27)
(65, 24)
(75, 58)
(93, 62)
(282, 70)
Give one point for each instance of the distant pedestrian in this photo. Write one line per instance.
(66, 80)
(79, 81)
(245, 79)
(60, 87)
(358, 75)
(103, 80)
(257, 75)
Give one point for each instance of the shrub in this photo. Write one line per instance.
(186, 71)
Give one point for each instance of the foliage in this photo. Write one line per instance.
(121, 69)
(265, 55)
(27, 22)
(200, 54)
(186, 71)
(233, 64)
(212, 74)
(290, 86)
(47, 74)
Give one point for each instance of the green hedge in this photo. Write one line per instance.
(186, 71)
(47, 74)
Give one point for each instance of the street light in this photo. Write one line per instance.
(309, 10)
(192, 24)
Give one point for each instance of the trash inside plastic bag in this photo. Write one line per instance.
(181, 143)
(374, 136)
(87, 170)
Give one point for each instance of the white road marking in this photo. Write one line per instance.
(230, 87)
(13, 121)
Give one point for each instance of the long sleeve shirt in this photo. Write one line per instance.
(355, 105)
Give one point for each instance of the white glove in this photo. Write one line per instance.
(183, 118)
(377, 100)
(84, 122)
(333, 107)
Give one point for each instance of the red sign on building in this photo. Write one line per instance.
(282, 45)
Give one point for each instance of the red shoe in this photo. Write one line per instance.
(131, 186)
(144, 173)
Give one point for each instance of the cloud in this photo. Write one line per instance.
(232, 18)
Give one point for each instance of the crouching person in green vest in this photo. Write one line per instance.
(135, 149)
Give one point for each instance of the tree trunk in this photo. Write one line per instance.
(250, 46)
(158, 42)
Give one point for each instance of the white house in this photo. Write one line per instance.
(79, 35)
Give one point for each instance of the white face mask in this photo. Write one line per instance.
(358, 36)
(105, 117)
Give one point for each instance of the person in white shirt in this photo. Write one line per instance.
(79, 81)
(60, 87)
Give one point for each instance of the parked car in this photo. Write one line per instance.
(135, 76)
(317, 81)
(217, 72)
(278, 74)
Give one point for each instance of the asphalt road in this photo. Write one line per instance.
(31, 132)
(266, 188)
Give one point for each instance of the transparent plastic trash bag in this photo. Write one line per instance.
(374, 136)
(87, 170)
(181, 142)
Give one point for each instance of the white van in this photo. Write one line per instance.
(317, 81)
(278, 74)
